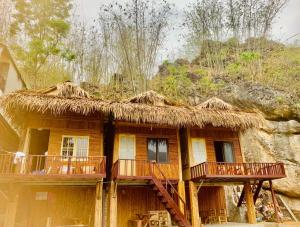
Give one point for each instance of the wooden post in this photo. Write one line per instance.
(112, 212)
(194, 204)
(250, 204)
(181, 193)
(98, 204)
(274, 202)
(181, 185)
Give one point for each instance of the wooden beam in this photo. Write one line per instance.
(250, 204)
(98, 204)
(274, 202)
(194, 204)
(259, 186)
(113, 200)
(181, 193)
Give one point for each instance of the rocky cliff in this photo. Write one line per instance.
(277, 141)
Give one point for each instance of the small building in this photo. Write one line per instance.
(10, 80)
(101, 163)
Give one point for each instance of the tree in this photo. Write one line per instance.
(40, 27)
(6, 7)
(135, 33)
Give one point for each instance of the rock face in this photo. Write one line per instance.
(277, 141)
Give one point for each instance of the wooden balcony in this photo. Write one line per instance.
(128, 169)
(236, 172)
(51, 167)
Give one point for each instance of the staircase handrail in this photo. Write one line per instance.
(167, 182)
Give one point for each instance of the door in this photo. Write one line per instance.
(127, 154)
(198, 151)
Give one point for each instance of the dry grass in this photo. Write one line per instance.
(148, 107)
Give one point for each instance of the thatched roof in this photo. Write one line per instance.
(148, 107)
(218, 113)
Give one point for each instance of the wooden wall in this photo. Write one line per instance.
(70, 125)
(135, 200)
(211, 197)
(218, 134)
(64, 204)
(142, 133)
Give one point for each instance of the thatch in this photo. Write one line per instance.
(148, 107)
(218, 113)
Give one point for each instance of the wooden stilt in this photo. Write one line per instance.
(112, 214)
(98, 204)
(181, 192)
(274, 202)
(194, 204)
(250, 204)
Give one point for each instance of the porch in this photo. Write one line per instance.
(28, 167)
(239, 172)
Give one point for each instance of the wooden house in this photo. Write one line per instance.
(56, 177)
(102, 163)
(10, 80)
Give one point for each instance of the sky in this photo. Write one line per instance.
(286, 25)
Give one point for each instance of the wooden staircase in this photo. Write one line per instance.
(168, 195)
(256, 187)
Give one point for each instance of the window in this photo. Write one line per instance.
(158, 150)
(126, 146)
(76, 146)
(224, 151)
(199, 150)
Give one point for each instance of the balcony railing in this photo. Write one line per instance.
(48, 165)
(141, 169)
(237, 171)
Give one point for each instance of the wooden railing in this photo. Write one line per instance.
(51, 165)
(157, 173)
(141, 169)
(236, 170)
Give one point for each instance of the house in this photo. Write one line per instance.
(10, 80)
(103, 163)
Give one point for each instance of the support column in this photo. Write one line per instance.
(250, 204)
(112, 211)
(274, 202)
(194, 204)
(181, 192)
(98, 204)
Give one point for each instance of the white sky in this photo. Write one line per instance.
(286, 25)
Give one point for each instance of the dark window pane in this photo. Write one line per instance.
(162, 150)
(151, 149)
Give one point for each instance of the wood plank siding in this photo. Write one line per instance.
(70, 125)
(65, 205)
(142, 134)
(218, 134)
(135, 200)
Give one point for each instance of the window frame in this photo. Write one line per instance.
(75, 146)
(134, 144)
(193, 153)
(223, 154)
(156, 154)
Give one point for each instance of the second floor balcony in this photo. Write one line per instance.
(131, 169)
(223, 171)
(17, 167)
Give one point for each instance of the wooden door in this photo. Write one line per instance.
(127, 154)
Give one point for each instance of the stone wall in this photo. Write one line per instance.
(277, 141)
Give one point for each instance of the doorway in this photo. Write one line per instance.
(38, 148)
(224, 151)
